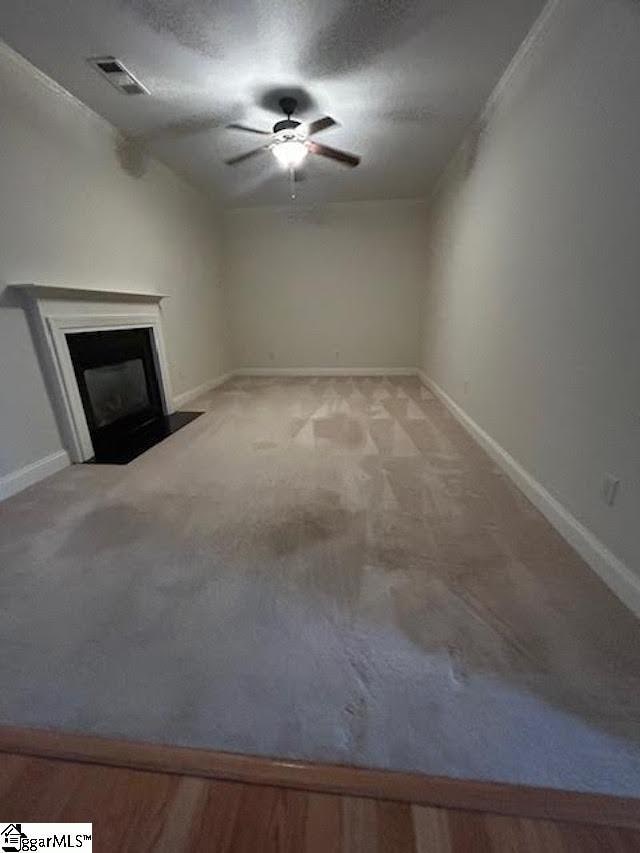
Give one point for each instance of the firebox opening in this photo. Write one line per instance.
(118, 383)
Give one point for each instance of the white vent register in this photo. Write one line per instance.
(115, 72)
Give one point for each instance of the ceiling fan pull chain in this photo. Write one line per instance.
(292, 182)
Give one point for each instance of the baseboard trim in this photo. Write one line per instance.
(520, 800)
(15, 482)
(618, 577)
(325, 371)
(182, 399)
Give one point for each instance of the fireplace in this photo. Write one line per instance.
(117, 382)
(105, 367)
(117, 379)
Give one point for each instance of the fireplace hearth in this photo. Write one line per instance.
(117, 379)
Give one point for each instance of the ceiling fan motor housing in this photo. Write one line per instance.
(285, 124)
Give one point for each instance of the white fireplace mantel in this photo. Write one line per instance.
(56, 291)
(56, 311)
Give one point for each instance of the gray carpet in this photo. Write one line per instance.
(326, 569)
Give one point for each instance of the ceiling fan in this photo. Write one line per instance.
(291, 141)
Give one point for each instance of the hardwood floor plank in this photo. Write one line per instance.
(213, 823)
(394, 828)
(177, 828)
(11, 767)
(359, 825)
(521, 835)
(251, 818)
(469, 832)
(287, 830)
(595, 839)
(128, 809)
(30, 788)
(323, 831)
(431, 829)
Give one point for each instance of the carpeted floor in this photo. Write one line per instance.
(319, 568)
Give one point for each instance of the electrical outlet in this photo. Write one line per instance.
(609, 490)
(466, 386)
(271, 356)
(337, 355)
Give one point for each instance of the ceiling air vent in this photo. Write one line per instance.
(115, 72)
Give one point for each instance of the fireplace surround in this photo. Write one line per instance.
(59, 317)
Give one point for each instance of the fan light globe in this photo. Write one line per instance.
(290, 153)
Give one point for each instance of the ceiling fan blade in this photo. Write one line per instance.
(320, 124)
(244, 127)
(333, 154)
(246, 156)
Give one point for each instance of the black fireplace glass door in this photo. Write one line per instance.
(116, 390)
(117, 379)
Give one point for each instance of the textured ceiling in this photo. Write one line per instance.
(403, 77)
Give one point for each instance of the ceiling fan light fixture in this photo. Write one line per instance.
(291, 141)
(290, 152)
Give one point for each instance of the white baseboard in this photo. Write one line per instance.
(186, 396)
(618, 577)
(326, 371)
(15, 482)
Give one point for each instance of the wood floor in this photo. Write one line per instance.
(134, 810)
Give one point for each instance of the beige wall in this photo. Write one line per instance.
(334, 286)
(71, 216)
(533, 290)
